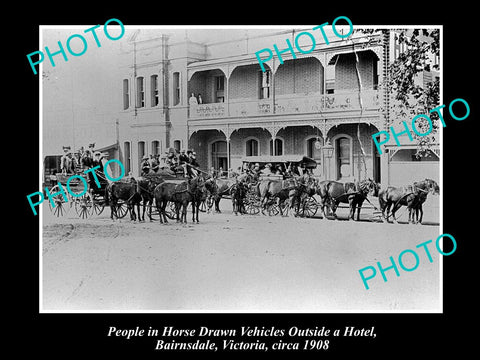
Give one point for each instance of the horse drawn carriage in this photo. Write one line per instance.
(88, 200)
(280, 185)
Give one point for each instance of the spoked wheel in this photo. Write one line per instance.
(98, 204)
(122, 210)
(203, 206)
(252, 208)
(273, 209)
(308, 208)
(285, 208)
(83, 206)
(60, 207)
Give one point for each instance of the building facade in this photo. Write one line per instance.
(215, 99)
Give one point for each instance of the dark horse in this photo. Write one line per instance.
(411, 196)
(354, 193)
(126, 191)
(181, 194)
(145, 188)
(238, 191)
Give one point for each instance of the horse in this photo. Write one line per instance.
(145, 188)
(354, 193)
(126, 191)
(212, 189)
(238, 192)
(199, 195)
(411, 196)
(181, 194)
(223, 187)
(422, 197)
(280, 190)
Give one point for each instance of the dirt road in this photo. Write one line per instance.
(232, 263)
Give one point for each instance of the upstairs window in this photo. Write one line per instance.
(154, 90)
(176, 88)
(140, 92)
(265, 81)
(126, 99)
(220, 88)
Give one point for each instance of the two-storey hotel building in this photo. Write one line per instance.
(214, 98)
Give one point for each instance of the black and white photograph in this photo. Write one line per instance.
(246, 172)
(200, 182)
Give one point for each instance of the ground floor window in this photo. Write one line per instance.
(219, 155)
(251, 147)
(276, 148)
(343, 148)
(176, 145)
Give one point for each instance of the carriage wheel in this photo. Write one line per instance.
(98, 205)
(203, 206)
(60, 208)
(251, 207)
(308, 208)
(122, 210)
(285, 207)
(273, 209)
(83, 206)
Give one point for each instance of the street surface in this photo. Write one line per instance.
(233, 263)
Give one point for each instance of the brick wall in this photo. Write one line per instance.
(244, 82)
(299, 76)
(346, 74)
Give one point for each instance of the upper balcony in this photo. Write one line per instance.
(347, 83)
(319, 103)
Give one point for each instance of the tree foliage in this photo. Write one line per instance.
(411, 96)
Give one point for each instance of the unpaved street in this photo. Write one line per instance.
(232, 263)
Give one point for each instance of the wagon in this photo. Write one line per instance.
(308, 207)
(91, 200)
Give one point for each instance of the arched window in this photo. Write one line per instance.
(126, 94)
(155, 147)
(141, 153)
(278, 148)
(343, 151)
(140, 92)
(251, 147)
(219, 154)
(177, 144)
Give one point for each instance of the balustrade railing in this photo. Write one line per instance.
(294, 104)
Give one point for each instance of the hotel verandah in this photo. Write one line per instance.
(312, 105)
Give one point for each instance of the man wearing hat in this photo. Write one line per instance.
(183, 161)
(193, 164)
(66, 161)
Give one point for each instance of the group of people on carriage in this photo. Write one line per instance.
(184, 160)
(74, 162)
